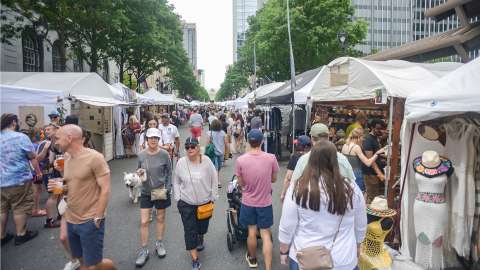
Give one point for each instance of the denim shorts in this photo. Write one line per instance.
(86, 241)
(147, 203)
(217, 161)
(262, 217)
(359, 180)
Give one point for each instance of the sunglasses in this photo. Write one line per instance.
(190, 146)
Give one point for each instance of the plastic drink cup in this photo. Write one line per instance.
(60, 161)
(58, 188)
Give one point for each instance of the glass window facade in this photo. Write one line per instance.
(58, 59)
(31, 52)
(242, 9)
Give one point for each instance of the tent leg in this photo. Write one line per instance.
(397, 106)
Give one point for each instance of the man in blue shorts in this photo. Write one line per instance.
(256, 171)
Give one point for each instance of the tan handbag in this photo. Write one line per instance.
(156, 193)
(317, 257)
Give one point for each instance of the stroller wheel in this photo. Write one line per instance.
(229, 241)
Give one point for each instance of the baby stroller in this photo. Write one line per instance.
(236, 232)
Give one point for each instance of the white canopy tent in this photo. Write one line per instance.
(87, 87)
(11, 98)
(349, 78)
(304, 85)
(454, 94)
(161, 99)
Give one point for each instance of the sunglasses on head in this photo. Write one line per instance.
(190, 146)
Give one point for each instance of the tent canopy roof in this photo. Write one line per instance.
(283, 94)
(349, 78)
(160, 98)
(87, 87)
(457, 92)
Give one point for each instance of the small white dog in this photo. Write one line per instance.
(133, 183)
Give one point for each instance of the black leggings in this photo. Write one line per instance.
(192, 227)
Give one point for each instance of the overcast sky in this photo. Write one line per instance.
(214, 35)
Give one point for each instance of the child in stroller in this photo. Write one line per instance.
(236, 232)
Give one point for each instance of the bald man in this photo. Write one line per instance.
(87, 177)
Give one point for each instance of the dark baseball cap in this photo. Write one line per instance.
(255, 135)
(303, 140)
(191, 140)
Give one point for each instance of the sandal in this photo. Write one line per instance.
(39, 213)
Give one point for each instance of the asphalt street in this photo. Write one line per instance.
(122, 236)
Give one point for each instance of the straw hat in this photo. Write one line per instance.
(379, 207)
(431, 164)
(430, 159)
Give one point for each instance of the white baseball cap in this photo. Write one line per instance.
(154, 132)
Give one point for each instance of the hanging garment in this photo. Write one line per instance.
(431, 216)
(476, 218)
(460, 150)
(407, 231)
(373, 254)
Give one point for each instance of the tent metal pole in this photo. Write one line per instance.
(292, 75)
(389, 146)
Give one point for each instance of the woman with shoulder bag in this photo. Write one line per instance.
(196, 188)
(155, 170)
(324, 216)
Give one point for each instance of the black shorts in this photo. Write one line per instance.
(147, 203)
(192, 227)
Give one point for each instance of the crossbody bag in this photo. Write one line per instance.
(156, 194)
(204, 211)
(317, 257)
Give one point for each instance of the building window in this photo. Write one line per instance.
(77, 63)
(31, 52)
(58, 59)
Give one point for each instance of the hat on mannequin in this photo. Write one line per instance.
(379, 207)
(431, 164)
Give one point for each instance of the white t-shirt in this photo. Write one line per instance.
(169, 133)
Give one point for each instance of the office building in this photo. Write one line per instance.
(389, 23)
(440, 30)
(190, 42)
(242, 9)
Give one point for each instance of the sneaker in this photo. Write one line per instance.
(7, 238)
(72, 265)
(52, 223)
(29, 235)
(160, 247)
(252, 261)
(196, 265)
(142, 257)
(200, 246)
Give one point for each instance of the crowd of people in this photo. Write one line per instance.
(325, 194)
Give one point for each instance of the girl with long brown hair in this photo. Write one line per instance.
(322, 208)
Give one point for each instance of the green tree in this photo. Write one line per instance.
(314, 26)
(235, 81)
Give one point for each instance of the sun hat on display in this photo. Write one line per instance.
(431, 164)
(379, 208)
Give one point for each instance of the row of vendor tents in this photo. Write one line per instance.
(354, 79)
(41, 88)
(105, 111)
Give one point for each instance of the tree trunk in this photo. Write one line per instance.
(94, 60)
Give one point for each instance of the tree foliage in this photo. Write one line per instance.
(235, 81)
(144, 35)
(314, 28)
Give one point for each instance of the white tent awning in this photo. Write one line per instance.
(457, 92)
(84, 86)
(349, 78)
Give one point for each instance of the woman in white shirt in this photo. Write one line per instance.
(320, 203)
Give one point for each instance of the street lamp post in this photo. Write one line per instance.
(293, 83)
(342, 39)
(130, 73)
